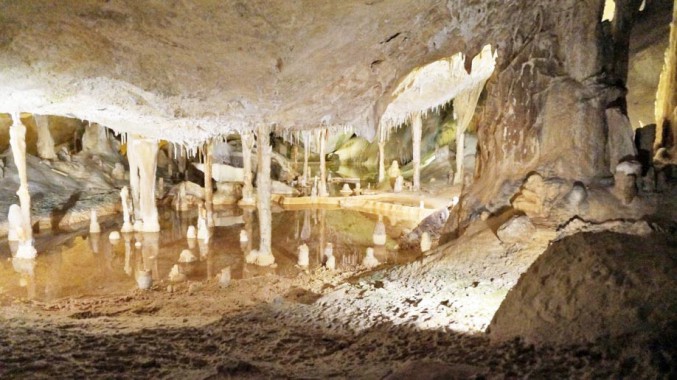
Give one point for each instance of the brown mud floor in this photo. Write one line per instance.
(265, 327)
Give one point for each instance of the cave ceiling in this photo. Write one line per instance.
(185, 71)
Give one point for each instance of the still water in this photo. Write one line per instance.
(78, 264)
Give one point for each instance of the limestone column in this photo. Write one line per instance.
(17, 139)
(416, 131)
(381, 161)
(263, 190)
(45, 140)
(133, 177)
(247, 139)
(144, 152)
(322, 191)
(306, 151)
(209, 189)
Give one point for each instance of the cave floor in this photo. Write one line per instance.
(81, 315)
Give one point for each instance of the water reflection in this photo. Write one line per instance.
(83, 264)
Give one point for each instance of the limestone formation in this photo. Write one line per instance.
(45, 142)
(118, 172)
(303, 256)
(330, 262)
(379, 236)
(17, 139)
(399, 185)
(416, 126)
(369, 260)
(243, 236)
(265, 255)
(175, 274)
(15, 223)
(625, 180)
(346, 191)
(94, 227)
(426, 242)
(142, 155)
(191, 233)
(517, 229)
(394, 170)
(114, 236)
(224, 277)
(144, 279)
(187, 256)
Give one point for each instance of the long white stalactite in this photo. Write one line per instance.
(17, 139)
(247, 139)
(416, 131)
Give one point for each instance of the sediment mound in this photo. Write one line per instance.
(590, 286)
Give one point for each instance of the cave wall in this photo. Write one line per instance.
(547, 105)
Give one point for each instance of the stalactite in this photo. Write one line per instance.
(322, 191)
(417, 126)
(247, 139)
(209, 190)
(45, 140)
(306, 152)
(17, 139)
(263, 187)
(464, 107)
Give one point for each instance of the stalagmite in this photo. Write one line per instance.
(417, 127)
(329, 254)
(381, 161)
(144, 279)
(322, 187)
(209, 189)
(248, 197)
(224, 277)
(17, 139)
(202, 228)
(187, 256)
(14, 221)
(346, 190)
(426, 242)
(243, 236)
(45, 141)
(94, 227)
(114, 236)
(394, 170)
(399, 184)
(369, 260)
(265, 254)
(304, 253)
(379, 236)
(143, 152)
(175, 274)
(191, 233)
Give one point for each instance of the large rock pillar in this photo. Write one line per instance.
(17, 139)
(416, 131)
(263, 187)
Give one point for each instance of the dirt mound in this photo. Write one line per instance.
(590, 286)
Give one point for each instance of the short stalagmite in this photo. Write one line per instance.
(303, 256)
(94, 227)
